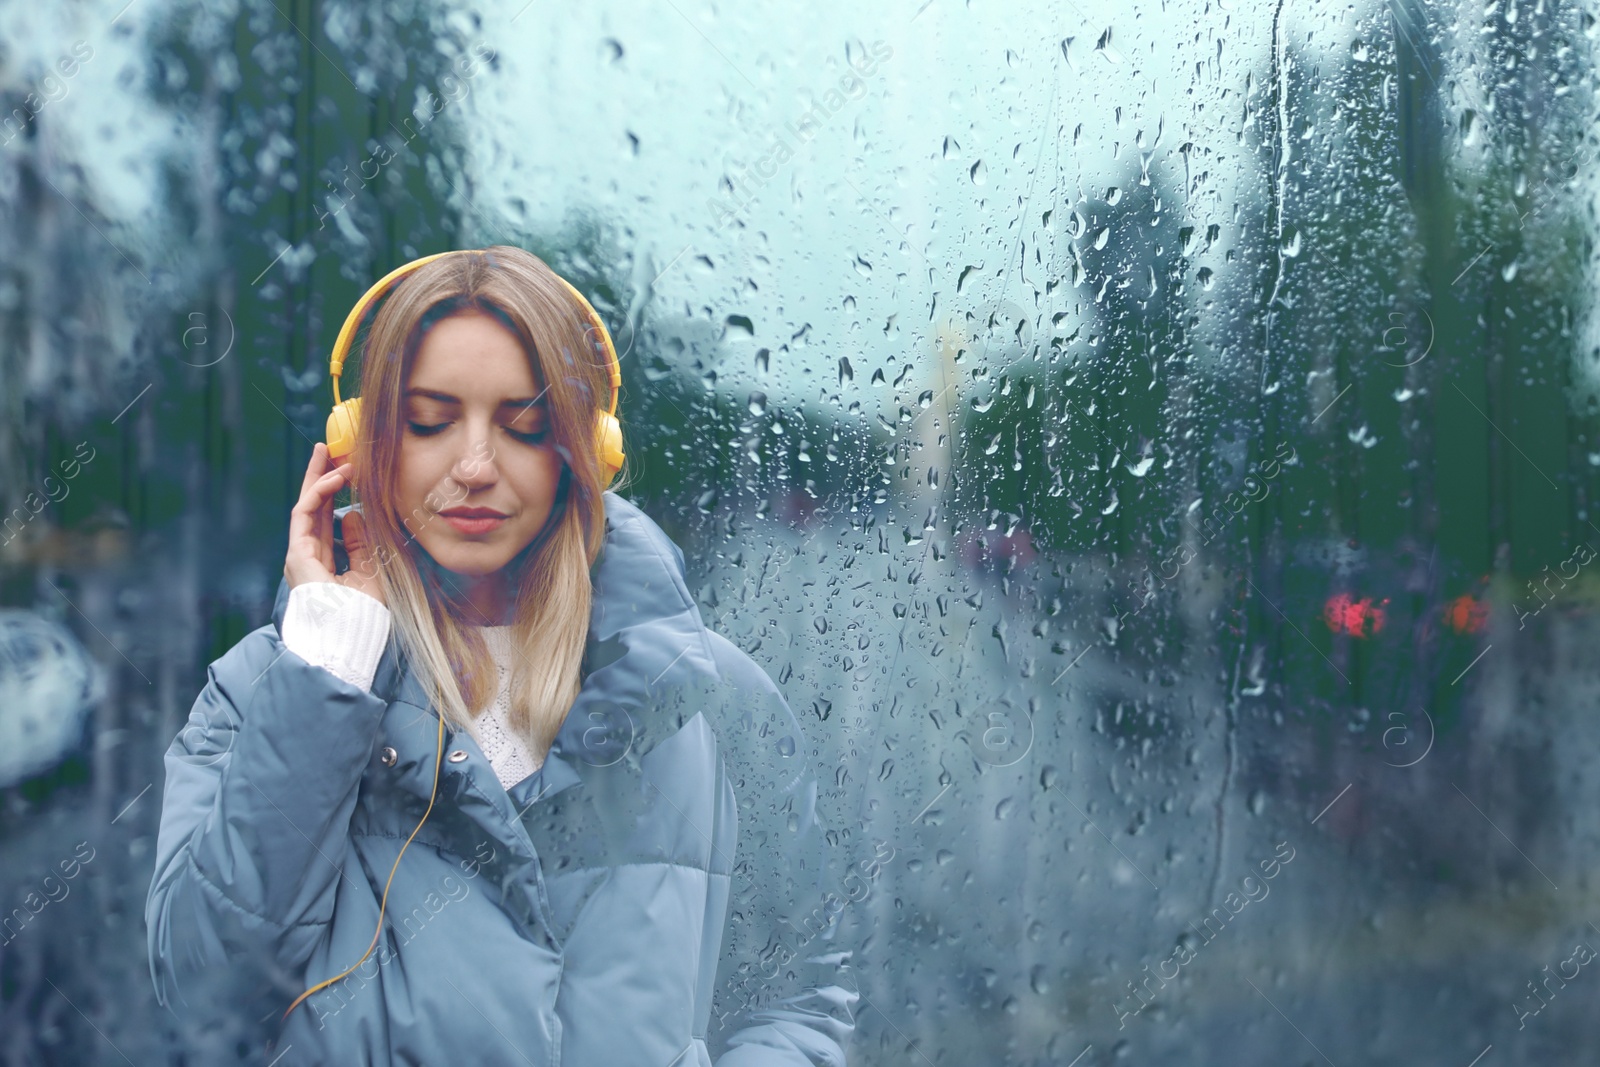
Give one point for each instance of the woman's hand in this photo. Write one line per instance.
(310, 557)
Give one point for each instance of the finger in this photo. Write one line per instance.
(327, 488)
(356, 545)
(315, 467)
(363, 572)
(306, 518)
(323, 489)
(311, 520)
(355, 541)
(314, 472)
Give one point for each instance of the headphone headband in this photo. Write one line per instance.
(352, 323)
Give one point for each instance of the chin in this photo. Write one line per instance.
(477, 564)
(473, 560)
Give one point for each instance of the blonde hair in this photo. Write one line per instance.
(551, 575)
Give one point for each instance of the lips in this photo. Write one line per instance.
(473, 520)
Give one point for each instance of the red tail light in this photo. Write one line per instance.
(1357, 618)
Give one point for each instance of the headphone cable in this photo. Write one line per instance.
(382, 903)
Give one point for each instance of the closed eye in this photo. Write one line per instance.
(527, 437)
(424, 430)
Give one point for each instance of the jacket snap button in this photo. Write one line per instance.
(457, 756)
(388, 756)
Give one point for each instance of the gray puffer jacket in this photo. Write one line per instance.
(578, 918)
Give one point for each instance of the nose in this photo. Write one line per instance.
(476, 468)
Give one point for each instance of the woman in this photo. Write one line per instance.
(557, 888)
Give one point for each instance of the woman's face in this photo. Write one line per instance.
(478, 464)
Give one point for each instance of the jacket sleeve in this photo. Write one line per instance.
(784, 991)
(260, 787)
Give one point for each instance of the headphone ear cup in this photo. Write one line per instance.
(344, 422)
(608, 435)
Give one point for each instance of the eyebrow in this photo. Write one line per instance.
(446, 398)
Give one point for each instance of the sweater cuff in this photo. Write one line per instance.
(340, 629)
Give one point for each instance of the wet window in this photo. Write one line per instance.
(1149, 451)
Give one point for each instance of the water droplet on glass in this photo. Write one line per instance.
(1106, 49)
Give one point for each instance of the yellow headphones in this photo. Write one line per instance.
(342, 426)
(345, 419)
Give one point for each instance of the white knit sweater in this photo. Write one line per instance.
(344, 631)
